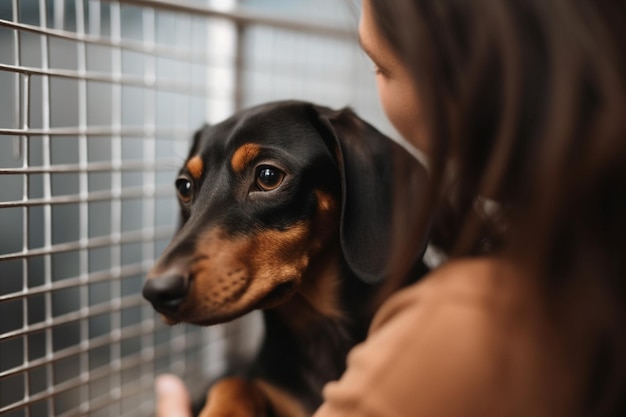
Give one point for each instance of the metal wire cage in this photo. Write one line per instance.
(99, 100)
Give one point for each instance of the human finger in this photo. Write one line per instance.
(172, 397)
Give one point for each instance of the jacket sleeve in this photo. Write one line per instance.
(422, 358)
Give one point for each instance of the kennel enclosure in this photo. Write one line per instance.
(99, 101)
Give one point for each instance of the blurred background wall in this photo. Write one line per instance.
(98, 102)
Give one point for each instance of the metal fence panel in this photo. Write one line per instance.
(99, 100)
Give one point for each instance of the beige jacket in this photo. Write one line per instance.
(468, 340)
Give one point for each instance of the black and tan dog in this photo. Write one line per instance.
(285, 207)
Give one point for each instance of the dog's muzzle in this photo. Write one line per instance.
(166, 292)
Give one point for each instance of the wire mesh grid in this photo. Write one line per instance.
(99, 100)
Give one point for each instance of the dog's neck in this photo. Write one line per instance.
(309, 336)
(302, 362)
(319, 294)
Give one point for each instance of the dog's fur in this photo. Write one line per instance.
(311, 248)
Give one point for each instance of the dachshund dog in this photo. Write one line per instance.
(285, 207)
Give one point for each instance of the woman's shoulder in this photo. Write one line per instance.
(466, 340)
(486, 285)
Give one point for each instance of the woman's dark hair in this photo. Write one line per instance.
(525, 105)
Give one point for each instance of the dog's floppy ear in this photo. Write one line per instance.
(367, 160)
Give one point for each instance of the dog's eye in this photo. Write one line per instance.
(269, 178)
(184, 188)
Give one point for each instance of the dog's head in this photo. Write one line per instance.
(262, 196)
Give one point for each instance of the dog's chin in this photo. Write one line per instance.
(170, 321)
(217, 319)
(225, 313)
(210, 318)
(277, 296)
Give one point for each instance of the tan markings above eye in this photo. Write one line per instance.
(195, 166)
(243, 156)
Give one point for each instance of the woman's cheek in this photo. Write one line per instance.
(402, 109)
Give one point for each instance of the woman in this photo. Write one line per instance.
(520, 107)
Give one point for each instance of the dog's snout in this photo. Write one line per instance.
(165, 292)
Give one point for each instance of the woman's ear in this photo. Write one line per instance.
(369, 162)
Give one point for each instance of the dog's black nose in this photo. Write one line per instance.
(165, 292)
